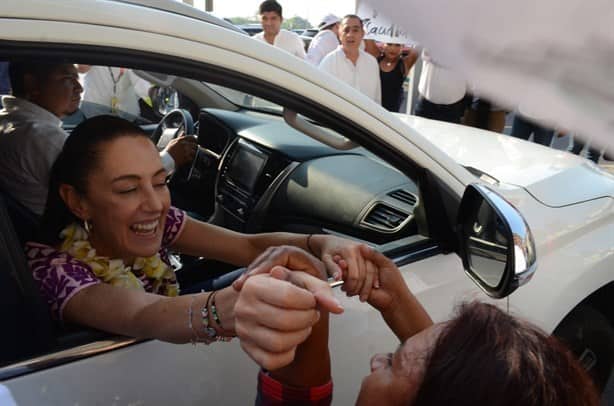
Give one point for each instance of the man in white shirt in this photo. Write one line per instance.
(325, 41)
(441, 92)
(351, 64)
(271, 18)
(31, 134)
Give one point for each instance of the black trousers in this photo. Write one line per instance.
(450, 113)
(523, 128)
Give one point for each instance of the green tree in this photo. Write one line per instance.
(295, 22)
(244, 20)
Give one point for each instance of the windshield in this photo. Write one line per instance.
(245, 100)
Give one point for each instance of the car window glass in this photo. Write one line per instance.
(245, 99)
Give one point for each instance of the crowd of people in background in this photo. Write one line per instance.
(380, 71)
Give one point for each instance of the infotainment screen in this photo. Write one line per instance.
(245, 167)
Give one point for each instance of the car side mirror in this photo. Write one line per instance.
(496, 244)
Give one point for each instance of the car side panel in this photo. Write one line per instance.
(156, 373)
(575, 253)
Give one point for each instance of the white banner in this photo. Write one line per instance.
(378, 27)
(552, 59)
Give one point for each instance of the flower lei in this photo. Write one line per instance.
(151, 273)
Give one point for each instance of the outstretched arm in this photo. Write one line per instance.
(270, 316)
(139, 314)
(202, 239)
(400, 309)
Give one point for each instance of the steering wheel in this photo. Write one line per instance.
(172, 125)
(200, 173)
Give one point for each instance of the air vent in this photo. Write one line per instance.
(404, 196)
(385, 218)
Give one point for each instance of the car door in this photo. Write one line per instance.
(122, 371)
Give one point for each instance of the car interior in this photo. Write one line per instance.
(254, 172)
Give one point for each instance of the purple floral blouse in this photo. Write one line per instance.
(60, 276)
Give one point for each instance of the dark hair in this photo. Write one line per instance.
(270, 5)
(79, 157)
(484, 356)
(348, 16)
(19, 69)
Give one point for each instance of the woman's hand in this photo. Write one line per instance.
(273, 315)
(399, 307)
(392, 287)
(289, 257)
(344, 260)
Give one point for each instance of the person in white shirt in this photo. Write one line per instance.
(31, 134)
(441, 92)
(270, 13)
(325, 41)
(351, 64)
(116, 88)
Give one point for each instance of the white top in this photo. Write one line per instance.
(286, 40)
(30, 140)
(100, 82)
(363, 76)
(321, 45)
(440, 85)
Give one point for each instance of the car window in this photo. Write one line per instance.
(253, 172)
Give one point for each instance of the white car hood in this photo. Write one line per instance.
(555, 178)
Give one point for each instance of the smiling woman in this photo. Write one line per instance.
(104, 259)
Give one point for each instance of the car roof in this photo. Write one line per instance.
(185, 10)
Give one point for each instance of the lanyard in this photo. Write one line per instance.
(114, 99)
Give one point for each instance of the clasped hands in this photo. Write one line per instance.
(285, 289)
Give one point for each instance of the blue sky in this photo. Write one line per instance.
(313, 10)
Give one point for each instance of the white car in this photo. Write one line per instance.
(342, 165)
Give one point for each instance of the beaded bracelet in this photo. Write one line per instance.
(210, 332)
(223, 335)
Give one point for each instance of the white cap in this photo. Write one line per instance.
(328, 20)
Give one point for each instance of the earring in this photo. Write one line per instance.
(87, 225)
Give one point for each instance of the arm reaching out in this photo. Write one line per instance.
(399, 307)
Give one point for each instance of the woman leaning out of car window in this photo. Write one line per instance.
(101, 258)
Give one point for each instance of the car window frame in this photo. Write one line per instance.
(440, 239)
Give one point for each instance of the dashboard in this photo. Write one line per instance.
(268, 176)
